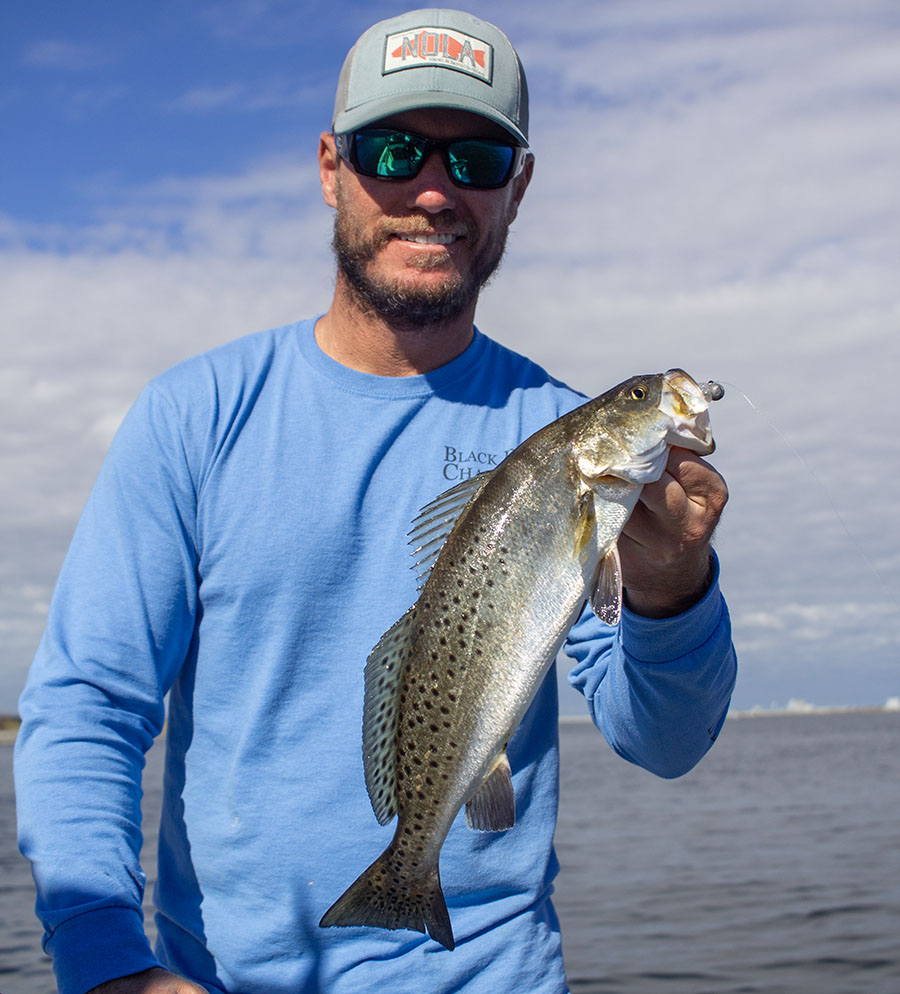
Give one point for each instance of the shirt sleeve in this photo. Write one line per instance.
(120, 624)
(658, 689)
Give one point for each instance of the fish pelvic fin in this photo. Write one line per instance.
(387, 896)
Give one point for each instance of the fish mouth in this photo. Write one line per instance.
(686, 405)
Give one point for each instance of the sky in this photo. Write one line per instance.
(716, 188)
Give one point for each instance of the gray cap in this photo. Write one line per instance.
(432, 58)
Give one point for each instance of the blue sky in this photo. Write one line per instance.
(716, 188)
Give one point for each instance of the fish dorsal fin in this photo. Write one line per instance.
(436, 520)
(492, 808)
(381, 712)
(606, 596)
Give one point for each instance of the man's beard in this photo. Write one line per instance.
(405, 306)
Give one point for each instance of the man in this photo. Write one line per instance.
(244, 549)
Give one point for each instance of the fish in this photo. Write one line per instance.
(507, 561)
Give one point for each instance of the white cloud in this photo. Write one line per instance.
(207, 98)
(54, 53)
(252, 97)
(715, 189)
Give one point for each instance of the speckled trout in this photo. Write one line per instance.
(508, 560)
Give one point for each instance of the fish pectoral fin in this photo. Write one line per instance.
(585, 524)
(606, 596)
(492, 808)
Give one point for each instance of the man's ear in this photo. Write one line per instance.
(521, 185)
(328, 167)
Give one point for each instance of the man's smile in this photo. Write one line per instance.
(435, 239)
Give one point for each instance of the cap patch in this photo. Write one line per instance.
(438, 47)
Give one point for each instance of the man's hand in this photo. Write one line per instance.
(153, 981)
(664, 547)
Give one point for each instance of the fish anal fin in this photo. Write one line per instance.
(606, 595)
(492, 808)
(384, 674)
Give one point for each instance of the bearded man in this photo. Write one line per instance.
(244, 548)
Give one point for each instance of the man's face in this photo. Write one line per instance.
(418, 251)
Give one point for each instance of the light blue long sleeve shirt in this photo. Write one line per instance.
(242, 550)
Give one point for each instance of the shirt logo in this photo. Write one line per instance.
(464, 463)
(439, 47)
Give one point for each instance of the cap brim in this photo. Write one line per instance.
(376, 110)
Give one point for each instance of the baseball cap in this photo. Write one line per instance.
(432, 58)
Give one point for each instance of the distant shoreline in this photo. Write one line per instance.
(810, 711)
(9, 725)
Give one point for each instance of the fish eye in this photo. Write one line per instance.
(638, 393)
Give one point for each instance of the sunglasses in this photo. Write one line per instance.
(472, 163)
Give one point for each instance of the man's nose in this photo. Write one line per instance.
(432, 190)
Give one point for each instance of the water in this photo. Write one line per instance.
(773, 868)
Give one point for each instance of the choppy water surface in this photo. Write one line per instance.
(773, 868)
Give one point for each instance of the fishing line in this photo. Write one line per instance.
(798, 456)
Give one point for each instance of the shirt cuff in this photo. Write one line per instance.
(97, 946)
(663, 640)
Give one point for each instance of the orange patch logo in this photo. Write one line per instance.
(438, 47)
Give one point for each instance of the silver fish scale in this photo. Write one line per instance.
(477, 650)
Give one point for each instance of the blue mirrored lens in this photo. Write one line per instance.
(398, 155)
(390, 154)
(480, 163)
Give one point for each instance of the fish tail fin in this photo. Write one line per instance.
(387, 896)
